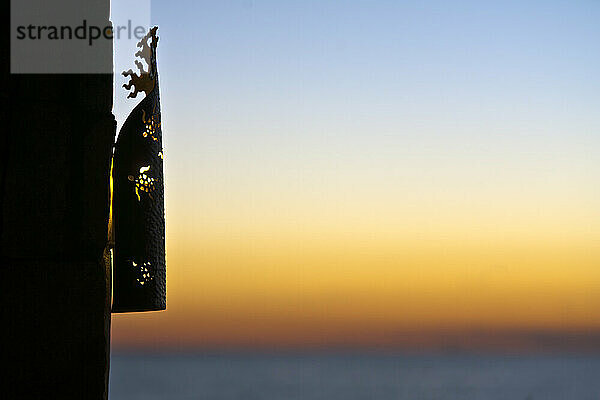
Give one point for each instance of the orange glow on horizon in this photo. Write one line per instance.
(260, 290)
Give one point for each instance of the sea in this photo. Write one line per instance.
(351, 376)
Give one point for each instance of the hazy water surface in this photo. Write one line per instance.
(348, 377)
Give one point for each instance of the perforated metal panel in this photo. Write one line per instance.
(138, 195)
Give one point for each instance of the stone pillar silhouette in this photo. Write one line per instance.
(54, 206)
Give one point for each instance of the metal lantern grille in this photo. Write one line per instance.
(139, 269)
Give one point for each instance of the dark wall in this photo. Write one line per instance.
(54, 203)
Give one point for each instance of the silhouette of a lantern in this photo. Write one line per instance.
(138, 220)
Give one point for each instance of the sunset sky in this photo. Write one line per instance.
(377, 174)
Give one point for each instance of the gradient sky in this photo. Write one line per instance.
(377, 173)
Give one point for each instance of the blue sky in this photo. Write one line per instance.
(501, 85)
(446, 148)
